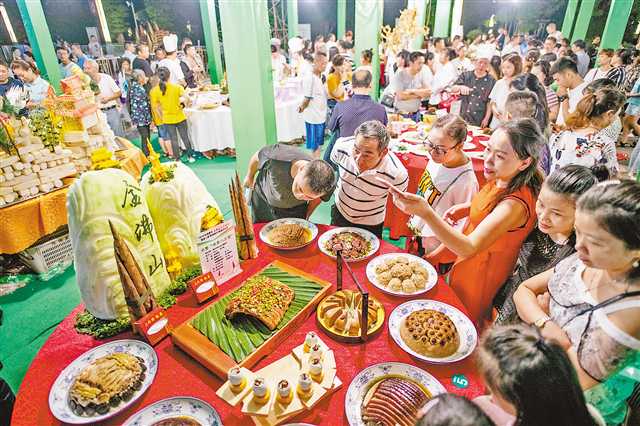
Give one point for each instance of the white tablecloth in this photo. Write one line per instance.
(213, 128)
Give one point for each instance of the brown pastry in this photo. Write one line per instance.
(430, 333)
(342, 311)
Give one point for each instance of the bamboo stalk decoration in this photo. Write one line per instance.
(246, 239)
(137, 292)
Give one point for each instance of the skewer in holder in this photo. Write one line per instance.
(364, 317)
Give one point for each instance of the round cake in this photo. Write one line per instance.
(430, 333)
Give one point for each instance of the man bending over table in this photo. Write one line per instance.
(290, 183)
(362, 160)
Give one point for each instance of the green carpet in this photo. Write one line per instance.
(33, 312)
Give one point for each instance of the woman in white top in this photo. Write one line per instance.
(604, 61)
(448, 180)
(511, 66)
(583, 142)
(444, 76)
(590, 302)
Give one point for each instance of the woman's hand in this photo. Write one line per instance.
(543, 301)
(408, 203)
(456, 213)
(552, 331)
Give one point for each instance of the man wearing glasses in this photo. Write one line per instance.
(448, 183)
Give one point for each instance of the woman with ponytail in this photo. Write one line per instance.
(500, 216)
(553, 239)
(590, 302)
(166, 102)
(530, 379)
(582, 142)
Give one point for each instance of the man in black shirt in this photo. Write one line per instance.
(290, 183)
(475, 87)
(141, 62)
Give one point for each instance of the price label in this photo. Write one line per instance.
(460, 381)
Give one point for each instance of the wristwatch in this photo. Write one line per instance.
(562, 98)
(540, 322)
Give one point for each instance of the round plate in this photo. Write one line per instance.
(466, 330)
(185, 406)
(59, 394)
(372, 375)
(476, 154)
(345, 337)
(420, 150)
(373, 240)
(469, 146)
(371, 273)
(264, 232)
(401, 148)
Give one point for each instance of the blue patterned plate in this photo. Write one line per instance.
(372, 375)
(59, 394)
(374, 242)
(466, 330)
(432, 280)
(179, 406)
(310, 227)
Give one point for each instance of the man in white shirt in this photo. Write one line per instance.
(448, 180)
(552, 31)
(570, 86)
(513, 46)
(129, 51)
(550, 46)
(314, 105)
(409, 86)
(109, 96)
(579, 48)
(364, 160)
(172, 62)
(445, 76)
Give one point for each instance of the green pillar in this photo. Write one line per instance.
(569, 17)
(367, 35)
(421, 16)
(456, 18)
(441, 26)
(342, 18)
(582, 21)
(245, 25)
(211, 39)
(37, 30)
(613, 33)
(292, 19)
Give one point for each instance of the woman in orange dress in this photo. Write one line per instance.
(500, 216)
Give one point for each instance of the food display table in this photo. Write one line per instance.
(395, 219)
(178, 374)
(213, 128)
(24, 223)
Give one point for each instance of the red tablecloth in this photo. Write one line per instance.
(178, 374)
(395, 220)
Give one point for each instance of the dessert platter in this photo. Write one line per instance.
(401, 274)
(176, 411)
(288, 233)
(285, 388)
(340, 315)
(415, 137)
(433, 331)
(389, 393)
(356, 244)
(248, 323)
(103, 382)
(400, 147)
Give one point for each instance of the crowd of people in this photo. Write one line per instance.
(545, 256)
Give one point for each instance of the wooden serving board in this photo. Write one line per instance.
(207, 353)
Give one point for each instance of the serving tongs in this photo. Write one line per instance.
(364, 317)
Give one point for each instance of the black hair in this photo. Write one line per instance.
(526, 139)
(367, 54)
(429, 56)
(574, 180)
(616, 207)
(530, 82)
(495, 63)
(140, 47)
(414, 56)
(545, 67)
(163, 75)
(333, 51)
(273, 49)
(451, 54)
(346, 45)
(580, 44)
(599, 83)
(533, 374)
(448, 409)
(188, 45)
(549, 57)
(123, 60)
(594, 105)
(337, 61)
(625, 56)
(321, 176)
(564, 64)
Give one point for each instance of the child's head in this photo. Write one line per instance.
(531, 378)
(448, 409)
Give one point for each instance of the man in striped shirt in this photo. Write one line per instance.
(362, 160)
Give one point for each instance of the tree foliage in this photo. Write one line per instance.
(118, 16)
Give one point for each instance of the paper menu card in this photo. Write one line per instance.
(219, 252)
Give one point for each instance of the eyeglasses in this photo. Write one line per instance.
(437, 149)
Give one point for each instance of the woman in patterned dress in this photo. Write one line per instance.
(139, 108)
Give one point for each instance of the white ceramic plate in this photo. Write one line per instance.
(185, 406)
(371, 375)
(373, 240)
(420, 150)
(59, 394)
(264, 232)
(371, 273)
(466, 330)
(401, 147)
(469, 146)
